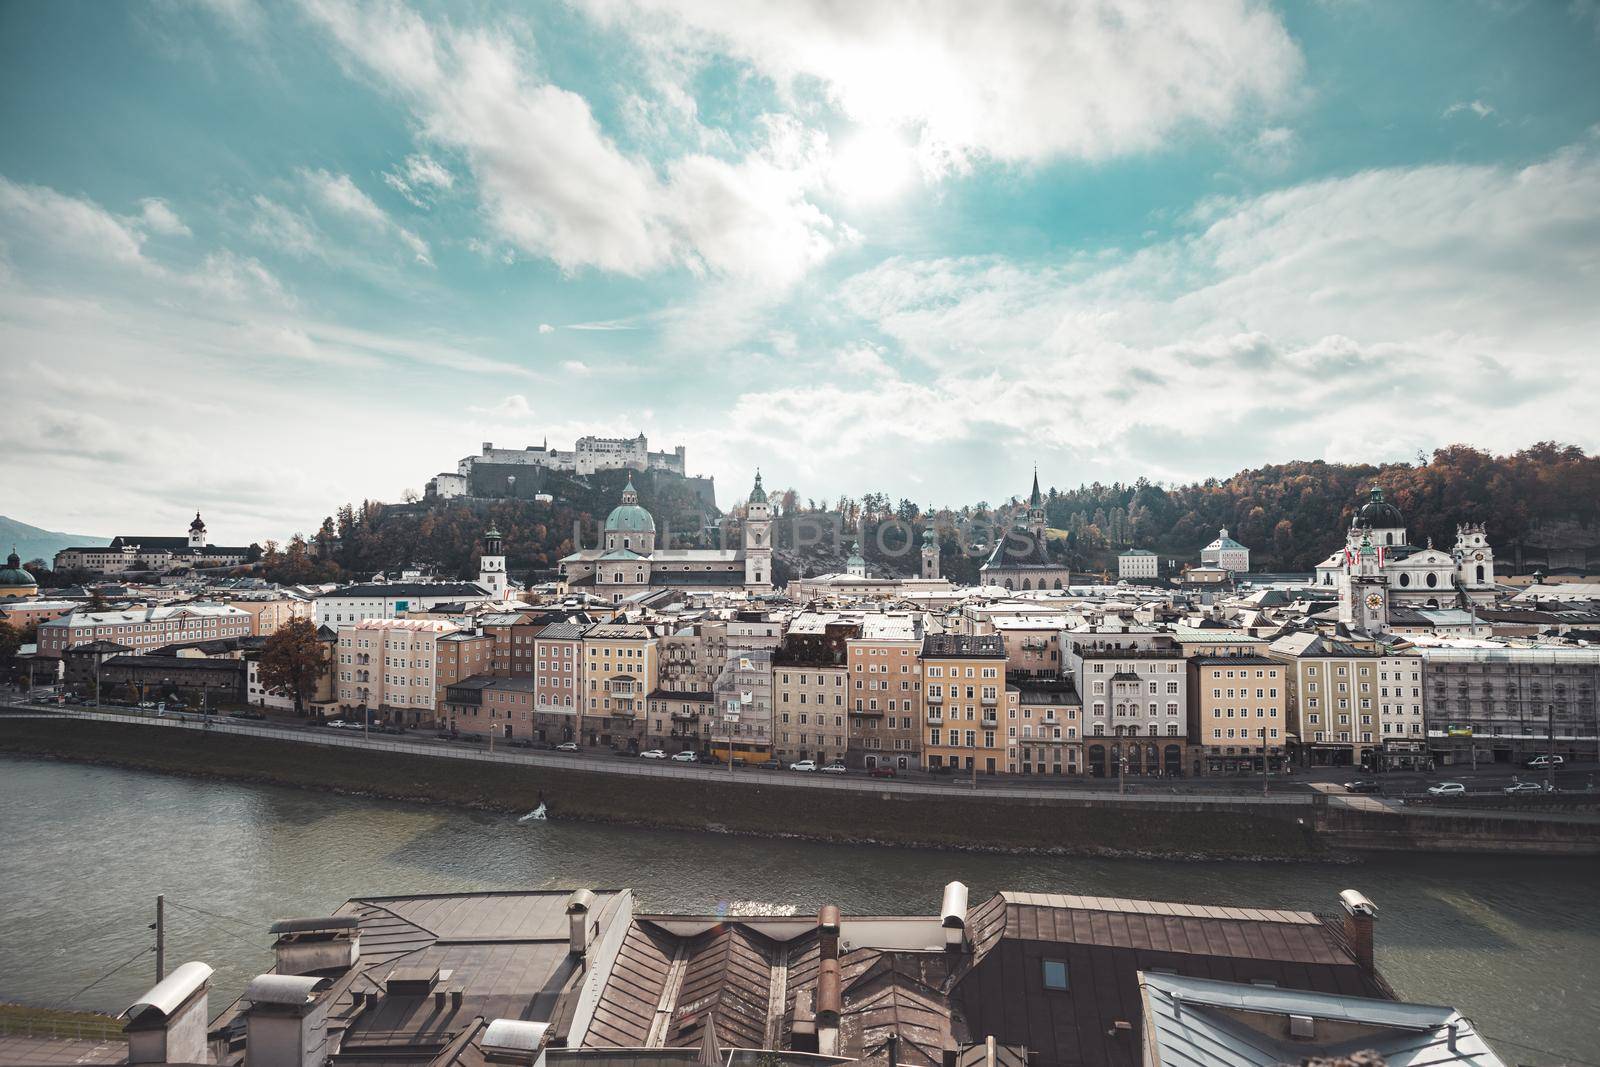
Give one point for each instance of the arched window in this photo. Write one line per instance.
(1388, 538)
(1480, 576)
(1008, 583)
(1480, 572)
(618, 578)
(1432, 579)
(1027, 583)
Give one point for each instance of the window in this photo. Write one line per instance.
(1055, 974)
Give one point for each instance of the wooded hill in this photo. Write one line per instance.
(1291, 515)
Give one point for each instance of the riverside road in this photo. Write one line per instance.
(1299, 788)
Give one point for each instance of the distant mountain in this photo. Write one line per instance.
(33, 543)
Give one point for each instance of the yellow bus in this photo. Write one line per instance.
(749, 753)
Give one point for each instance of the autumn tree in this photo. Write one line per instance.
(293, 658)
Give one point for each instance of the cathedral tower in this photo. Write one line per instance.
(758, 541)
(492, 564)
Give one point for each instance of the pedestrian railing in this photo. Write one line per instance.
(45, 1025)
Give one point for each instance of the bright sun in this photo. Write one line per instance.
(872, 165)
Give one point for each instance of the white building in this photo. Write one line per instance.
(389, 600)
(1400, 574)
(1226, 553)
(145, 629)
(1139, 563)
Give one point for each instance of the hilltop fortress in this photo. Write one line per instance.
(500, 466)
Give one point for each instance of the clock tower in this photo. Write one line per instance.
(1365, 603)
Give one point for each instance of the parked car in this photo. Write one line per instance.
(1547, 761)
(652, 753)
(520, 742)
(770, 765)
(803, 765)
(1447, 789)
(834, 768)
(568, 746)
(1525, 787)
(685, 757)
(147, 704)
(248, 713)
(1363, 785)
(443, 735)
(882, 770)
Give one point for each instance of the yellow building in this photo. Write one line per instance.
(620, 671)
(1331, 711)
(964, 689)
(1238, 713)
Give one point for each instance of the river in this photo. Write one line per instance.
(1514, 943)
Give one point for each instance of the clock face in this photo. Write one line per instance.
(1375, 600)
(1478, 557)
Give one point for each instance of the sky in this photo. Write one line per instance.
(258, 259)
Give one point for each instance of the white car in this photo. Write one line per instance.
(804, 765)
(654, 753)
(835, 768)
(337, 724)
(1547, 761)
(685, 757)
(1447, 789)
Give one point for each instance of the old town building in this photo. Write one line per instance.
(387, 667)
(1134, 685)
(618, 675)
(1237, 714)
(557, 665)
(886, 687)
(1042, 730)
(1332, 708)
(964, 690)
(680, 721)
(145, 629)
(811, 693)
(157, 553)
(1511, 703)
(1020, 559)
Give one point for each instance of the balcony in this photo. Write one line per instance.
(686, 716)
(990, 720)
(936, 698)
(935, 716)
(990, 699)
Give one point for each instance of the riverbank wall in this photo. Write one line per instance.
(963, 820)
(1047, 822)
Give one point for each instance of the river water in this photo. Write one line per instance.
(1514, 943)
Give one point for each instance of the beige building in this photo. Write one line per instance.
(1238, 714)
(1043, 726)
(619, 673)
(556, 662)
(964, 688)
(388, 666)
(811, 694)
(268, 614)
(886, 708)
(1332, 708)
(144, 629)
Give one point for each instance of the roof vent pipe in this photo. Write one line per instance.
(953, 915)
(828, 931)
(578, 907)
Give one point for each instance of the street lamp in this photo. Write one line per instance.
(1550, 760)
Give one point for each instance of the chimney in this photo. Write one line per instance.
(830, 1005)
(953, 916)
(286, 1022)
(578, 906)
(513, 1041)
(828, 931)
(309, 946)
(168, 1023)
(1359, 915)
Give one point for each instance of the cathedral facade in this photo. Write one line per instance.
(1378, 567)
(628, 561)
(1020, 560)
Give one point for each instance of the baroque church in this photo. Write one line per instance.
(1020, 560)
(1377, 568)
(628, 561)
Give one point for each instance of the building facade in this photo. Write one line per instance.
(1226, 554)
(886, 691)
(1042, 729)
(387, 667)
(619, 673)
(391, 600)
(1020, 559)
(964, 690)
(1332, 708)
(1238, 714)
(128, 553)
(1138, 563)
(145, 629)
(1511, 703)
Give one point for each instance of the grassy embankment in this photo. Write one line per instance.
(961, 821)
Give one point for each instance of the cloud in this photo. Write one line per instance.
(284, 229)
(158, 217)
(576, 367)
(1018, 81)
(420, 179)
(226, 276)
(1361, 317)
(1477, 107)
(545, 327)
(70, 226)
(339, 194)
(553, 184)
(514, 406)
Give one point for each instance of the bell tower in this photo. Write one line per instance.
(758, 541)
(492, 564)
(197, 532)
(930, 553)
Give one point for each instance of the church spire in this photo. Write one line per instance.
(1034, 498)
